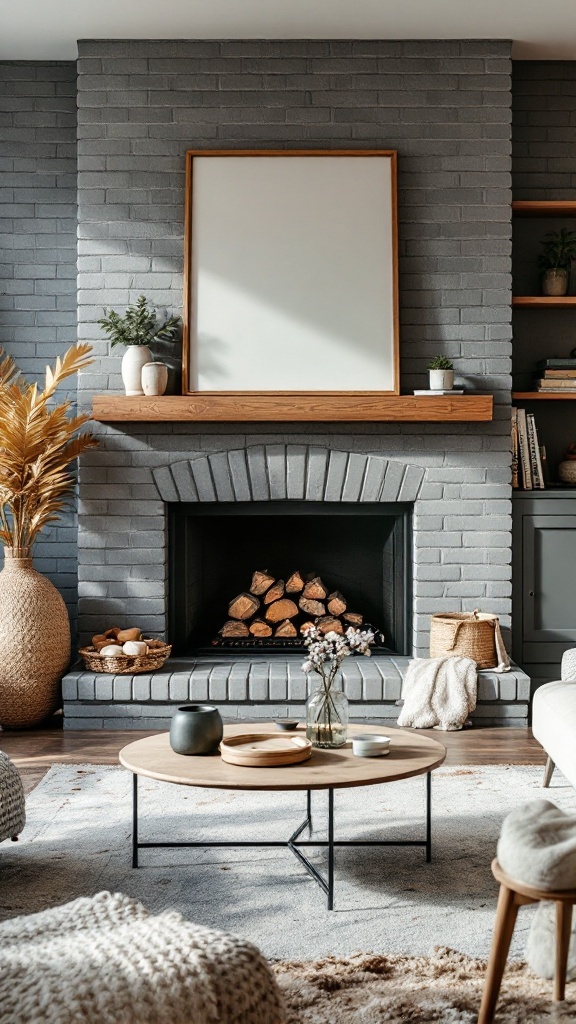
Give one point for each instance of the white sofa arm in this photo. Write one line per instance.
(569, 665)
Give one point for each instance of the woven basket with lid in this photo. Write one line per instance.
(466, 634)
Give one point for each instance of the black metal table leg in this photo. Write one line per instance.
(330, 849)
(428, 817)
(134, 820)
(294, 843)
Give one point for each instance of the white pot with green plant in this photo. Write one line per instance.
(558, 252)
(441, 373)
(138, 330)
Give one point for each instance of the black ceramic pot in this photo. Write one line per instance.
(196, 729)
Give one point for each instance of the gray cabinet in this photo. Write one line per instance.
(544, 581)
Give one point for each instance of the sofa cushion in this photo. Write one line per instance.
(537, 846)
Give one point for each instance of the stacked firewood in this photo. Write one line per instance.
(286, 608)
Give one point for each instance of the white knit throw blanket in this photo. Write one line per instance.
(438, 693)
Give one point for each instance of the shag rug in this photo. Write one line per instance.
(388, 900)
(445, 988)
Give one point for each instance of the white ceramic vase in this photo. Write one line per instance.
(133, 360)
(154, 378)
(441, 380)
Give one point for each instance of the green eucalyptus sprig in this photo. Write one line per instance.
(139, 325)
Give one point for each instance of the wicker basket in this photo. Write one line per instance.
(467, 634)
(125, 664)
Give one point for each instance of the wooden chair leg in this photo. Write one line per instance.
(506, 914)
(548, 772)
(563, 935)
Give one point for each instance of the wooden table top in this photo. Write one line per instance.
(410, 754)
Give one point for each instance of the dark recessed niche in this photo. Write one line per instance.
(363, 550)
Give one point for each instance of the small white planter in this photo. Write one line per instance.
(441, 380)
(154, 378)
(133, 360)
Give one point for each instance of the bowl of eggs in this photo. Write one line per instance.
(124, 652)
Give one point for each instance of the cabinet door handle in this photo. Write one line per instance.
(530, 593)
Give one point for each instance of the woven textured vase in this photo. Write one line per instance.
(34, 642)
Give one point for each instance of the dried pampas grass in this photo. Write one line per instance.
(38, 442)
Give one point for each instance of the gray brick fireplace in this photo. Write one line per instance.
(123, 556)
(446, 108)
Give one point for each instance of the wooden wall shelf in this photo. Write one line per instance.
(544, 301)
(328, 407)
(543, 396)
(544, 207)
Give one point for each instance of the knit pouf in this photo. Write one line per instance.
(34, 642)
(12, 808)
(105, 960)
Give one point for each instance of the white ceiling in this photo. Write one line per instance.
(48, 29)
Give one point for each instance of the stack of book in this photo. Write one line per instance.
(556, 375)
(529, 466)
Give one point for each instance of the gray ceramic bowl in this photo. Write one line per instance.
(287, 724)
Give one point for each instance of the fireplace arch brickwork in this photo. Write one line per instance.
(288, 472)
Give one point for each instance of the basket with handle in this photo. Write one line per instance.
(465, 634)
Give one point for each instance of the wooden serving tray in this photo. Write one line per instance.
(265, 750)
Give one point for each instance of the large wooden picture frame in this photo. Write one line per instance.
(291, 278)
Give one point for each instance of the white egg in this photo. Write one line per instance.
(110, 651)
(135, 647)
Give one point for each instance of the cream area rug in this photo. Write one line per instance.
(445, 988)
(388, 900)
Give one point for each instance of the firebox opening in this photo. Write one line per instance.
(361, 550)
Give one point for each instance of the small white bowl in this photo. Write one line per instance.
(370, 746)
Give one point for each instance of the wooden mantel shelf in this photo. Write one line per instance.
(244, 407)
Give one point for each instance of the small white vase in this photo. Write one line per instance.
(154, 378)
(133, 360)
(441, 380)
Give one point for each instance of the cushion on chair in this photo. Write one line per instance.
(105, 959)
(537, 846)
(12, 809)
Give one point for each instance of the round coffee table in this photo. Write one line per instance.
(410, 754)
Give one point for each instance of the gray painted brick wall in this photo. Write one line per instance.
(446, 108)
(38, 248)
(544, 136)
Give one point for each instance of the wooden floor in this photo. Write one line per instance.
(35, 750)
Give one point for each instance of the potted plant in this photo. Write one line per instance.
(138, 329)
(38, 442)
(558, 251)
(441, 372)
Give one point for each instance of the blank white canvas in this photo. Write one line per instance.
(292, 274)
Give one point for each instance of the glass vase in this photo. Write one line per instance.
(327, 717)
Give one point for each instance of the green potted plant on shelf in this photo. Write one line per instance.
(138, 330)
(441, 371)
(558, 251)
